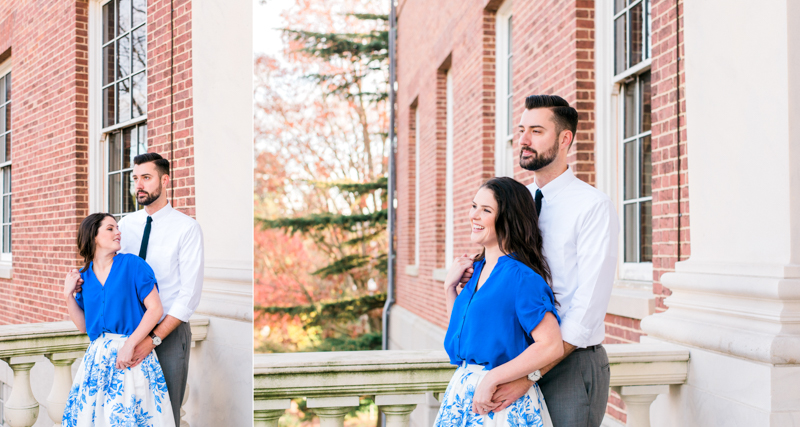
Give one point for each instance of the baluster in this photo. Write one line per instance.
(398, 407)
(62, 383)
(268, 412)
(331, 410)
(21, 409)
(637, 402)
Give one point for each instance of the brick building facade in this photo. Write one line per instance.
(464, 70)
(45, 56)
(86, 86)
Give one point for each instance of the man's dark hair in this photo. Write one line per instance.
(564, 116)
(162, 164)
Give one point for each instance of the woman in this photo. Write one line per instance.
(503, 325)
(118, 306)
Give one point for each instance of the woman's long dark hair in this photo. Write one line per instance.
(517, 225)
(86, 234)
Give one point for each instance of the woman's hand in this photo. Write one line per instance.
(457, 269)
(482, 399)
(125, 355)
(70, 282)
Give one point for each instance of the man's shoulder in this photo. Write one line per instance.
(585, 196)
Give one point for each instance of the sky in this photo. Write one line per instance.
(266, 18)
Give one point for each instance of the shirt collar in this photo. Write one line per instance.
(551, 190)
(162, 213)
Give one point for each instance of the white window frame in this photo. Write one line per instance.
(628, 271)
(504, 141)
(99, 137)
(7, 258)
(449, 207)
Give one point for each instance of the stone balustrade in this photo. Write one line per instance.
(22, 346)
(332, 382)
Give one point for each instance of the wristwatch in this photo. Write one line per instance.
(157, 341)
(535, 375)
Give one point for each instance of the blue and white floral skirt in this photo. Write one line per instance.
(104, 396)
(456, 405)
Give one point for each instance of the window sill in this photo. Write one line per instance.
(412, 270)
(439, 274)
(6, 271)
(634, 300)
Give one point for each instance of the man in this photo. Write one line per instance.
(579, 227)
(172, 243)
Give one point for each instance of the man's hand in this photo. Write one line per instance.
(508, 393)
(142, 350)
(467, 274)
(482, 401)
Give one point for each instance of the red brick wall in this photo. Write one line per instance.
(553, 46)
(670, 218)
(159, 80)
(48, 46)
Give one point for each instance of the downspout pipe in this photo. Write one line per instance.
(390, 271)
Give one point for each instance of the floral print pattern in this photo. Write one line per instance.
(456, 405)
(103, 395)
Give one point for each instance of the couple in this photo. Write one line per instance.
(140, 284)
(528, 324)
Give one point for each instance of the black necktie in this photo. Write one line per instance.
(538, 200)
(145, 239)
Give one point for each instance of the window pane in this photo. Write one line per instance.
(509, 117)
(509, 34)
(644, 100)
(124, 16)
(630, 110)
(7, 238)
(139, 11)
(2, 90)
(128, 139)
(2, 148)
(108, 107)
(7, 179)
(646, 230)
(8, 87)
(630, 233)
(6, 209)
(142, 139)
(8, 147)
(2, 119)
(114, 200)
(620, 51)
(123, 57)
(123, 101)
(647, 29)
(618, 5)
(139, 51)
(636, 34)
(646, 165)
(630, 178)
(108, 21)
(114, 149)
(139, 95)
(8, 116)
(108, 64)
(128, 200)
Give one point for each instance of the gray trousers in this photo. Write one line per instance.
(576, 390)
(173, 354)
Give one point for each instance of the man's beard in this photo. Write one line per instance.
(538, 161)
(148, 198)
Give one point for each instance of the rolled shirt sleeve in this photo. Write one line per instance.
(596, 264)
(191, 265)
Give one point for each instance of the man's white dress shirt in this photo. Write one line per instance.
(174, 251)
(580, 229)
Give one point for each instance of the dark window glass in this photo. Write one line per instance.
(620, 45)
(646, 232)
(636, 30)
(139, 95)
(630, 233)
(645, 166)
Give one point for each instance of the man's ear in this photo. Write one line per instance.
(565, 138)
(164, 180)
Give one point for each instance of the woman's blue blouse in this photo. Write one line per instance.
(118, 306)
(493, 325)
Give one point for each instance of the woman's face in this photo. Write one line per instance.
(482, 218)
(108, 235)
